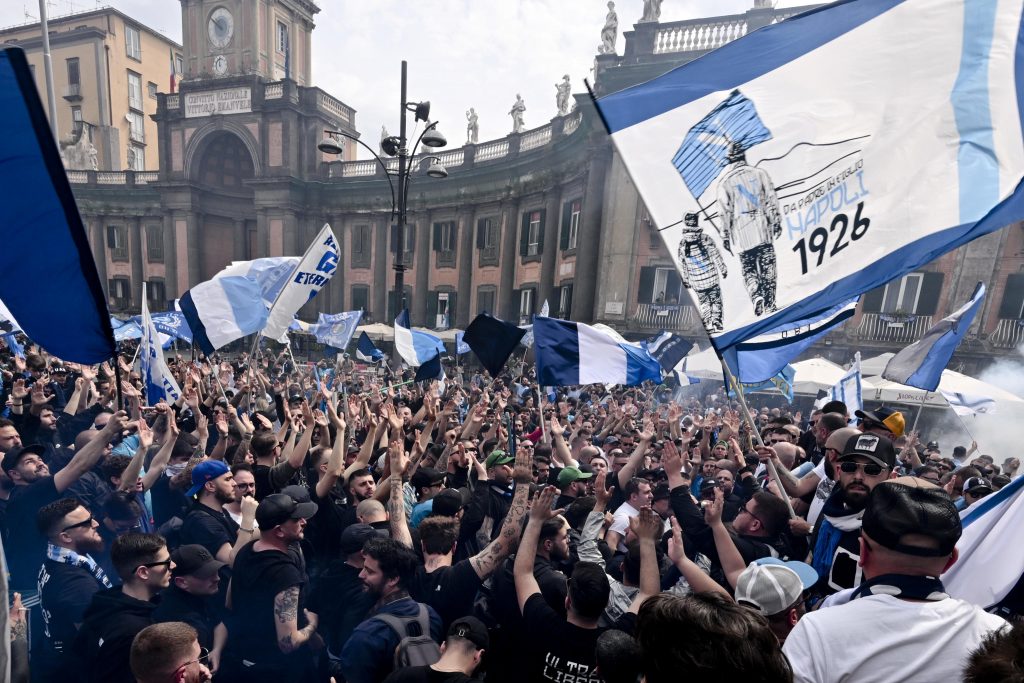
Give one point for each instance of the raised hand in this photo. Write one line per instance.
(397, 456)
(647, 524)
(540, 510)
(145, 434)
(601, 492)
(522, 472)
(676, 549)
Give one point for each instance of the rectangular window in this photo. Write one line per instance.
(902, 295)
(76, 118)
(574, 222)
(155, 243)
(151, 90)
(120, 292)
(485, 300)
(156, 295)
(282, 37)
(441, 321)
(360, 298)
(565, 302)
(136, 127)
(361, 246)
(445, 236)
(533, 234)
(136, 157)
(666, 286)
(74, 78)
(488, 233)
(117, 242)
(525, 305)
(133, 42)
(179, 65)
(134, 90)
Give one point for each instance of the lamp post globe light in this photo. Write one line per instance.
(397, 146)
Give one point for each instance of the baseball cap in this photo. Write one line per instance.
(295, 398)
(446, 503)
(660, 492)
(770, 588)
(472, 629)
(498, 457)
(934, 446)
(14, 456)
(207, 470)
(611, 440)
(426, 476)
(976, 485)
(570, 474)
(299, 493)
(278, 508)
(194, 560)
(355, 536)
(876, 448)
(907, 505)
(887, 417)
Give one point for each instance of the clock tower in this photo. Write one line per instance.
(269, 38)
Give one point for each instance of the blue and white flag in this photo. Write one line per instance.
(765, 356)
(160, 383)
(224, 309)
(272, 273)
(921, 364)
(781, 383)
(492, 341)
(461, 347)
(128, 330)
(786, 179)
(991, 557)
(668, 349)
(569, 354)
(967, 404)
(49, 281)
(170, 323)
(431, 369)
(527, 339)
(415, 347)
(848, 388)
(336, 329)
(366, 351)
(311, 274)
(7, 321)
(16, 347)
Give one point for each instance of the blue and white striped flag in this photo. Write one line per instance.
(415, 347)
(169, 323)
(160, 383)
(812, 178)
(569, 354)
(272, 273)
(336, 329)
(313, 272)
(224, 309)
(848, 388)
(366, 351)
(991, 558)
(966, 404)
(461, 347)
(668, 349)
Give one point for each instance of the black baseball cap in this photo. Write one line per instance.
(14, 456)
(889, 418)
(876, 448)
(426, 476)
(908, 505)
(976, 485)
(472, 629)
(355, 536)
(278, 508)
(194, 560)
(446, 503)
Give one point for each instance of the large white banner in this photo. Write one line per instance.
(823, 156)
(313, 272)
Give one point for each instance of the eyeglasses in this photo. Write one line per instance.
(204, 659)
(150, 565)
(746, 508)
(85, 523)
(870, 469)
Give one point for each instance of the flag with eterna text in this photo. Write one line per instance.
(313, 272)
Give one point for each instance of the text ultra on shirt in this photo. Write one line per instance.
(561, 651)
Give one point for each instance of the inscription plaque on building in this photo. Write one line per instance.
(228, 101)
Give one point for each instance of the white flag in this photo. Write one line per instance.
(967, 404)
(160, 383)
(313, 272)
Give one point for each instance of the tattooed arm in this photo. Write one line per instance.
(286, 620)
(396, 500)
(491, 557)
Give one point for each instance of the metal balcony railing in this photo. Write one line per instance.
(892, 327)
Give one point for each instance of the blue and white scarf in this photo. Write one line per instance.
(67, 556)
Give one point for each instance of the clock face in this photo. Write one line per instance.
(220, 65)
(221, 27)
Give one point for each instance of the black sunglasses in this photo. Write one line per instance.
(870, 469)
(86, 523)
(149, 565)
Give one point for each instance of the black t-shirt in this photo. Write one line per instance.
(560, 651)
(26, 548)
(66, 590)
(424, 674)
(449, 590)
(209, 528)
(257, 577)
(323, 531)
(341, 603)
(167, 503)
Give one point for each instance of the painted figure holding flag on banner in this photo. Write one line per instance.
(702, 271)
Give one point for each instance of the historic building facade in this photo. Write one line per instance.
(548, 214)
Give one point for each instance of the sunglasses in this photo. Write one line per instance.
(150, 565)
(870, 469)
(84, 524)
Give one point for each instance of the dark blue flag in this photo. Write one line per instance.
(493, 341)
(431, 369)
(56, 295)
(668, 349)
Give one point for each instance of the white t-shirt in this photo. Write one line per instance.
(881, 638)
(620, 523)
(821, 494)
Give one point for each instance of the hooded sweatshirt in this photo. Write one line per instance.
(104, 641)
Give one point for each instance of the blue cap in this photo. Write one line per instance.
(207, 470)
(808, 575)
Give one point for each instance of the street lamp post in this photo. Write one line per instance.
(399, 146)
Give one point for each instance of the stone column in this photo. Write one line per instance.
(98, 237)
(170, 257)
(338, 285)
(195, 220)
(381, 272)
(509, 258)
(291, 232)
(584, 291)
(552, 225)
(241, 252)
(424, 262)
(135, 258)
(262, 246)
(467, 248)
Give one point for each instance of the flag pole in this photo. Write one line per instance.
(913, 427)
(738, 388)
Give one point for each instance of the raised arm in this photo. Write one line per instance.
(798, 488)
(647, 528)
(728, 555)
(490, 558)
(637, 457)
(85, 459)
(699, 581)
(396, 502)
(130, 475)
(540, 512)
(336, 463)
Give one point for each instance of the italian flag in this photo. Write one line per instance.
(173, 75)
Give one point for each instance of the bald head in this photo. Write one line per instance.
(370, 511)
(839, 437)
(787, 453)
(588, 452)
(84, 437)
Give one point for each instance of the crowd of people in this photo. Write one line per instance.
(303, 523)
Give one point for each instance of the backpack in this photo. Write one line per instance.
(413, 650)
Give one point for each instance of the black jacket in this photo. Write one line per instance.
(104, 641)
(198, 611)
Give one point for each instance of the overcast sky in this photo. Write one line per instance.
(461, 53)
